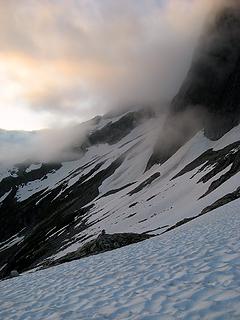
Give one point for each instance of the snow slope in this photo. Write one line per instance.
(192, 272)
(165, 201)
(55, 209)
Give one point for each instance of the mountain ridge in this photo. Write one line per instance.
(135, 171)
(54, 212)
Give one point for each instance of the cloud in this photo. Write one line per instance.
(80, 58)
(50, 145)
(68, 60)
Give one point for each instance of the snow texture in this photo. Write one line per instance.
(192, 272)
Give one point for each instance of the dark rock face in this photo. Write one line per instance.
(104, 242)
(214, 78)
(14, 218)
(211, 88)
(46, 215)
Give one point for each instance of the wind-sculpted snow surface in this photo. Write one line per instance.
(192, 272)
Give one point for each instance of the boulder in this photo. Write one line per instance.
(14, 273)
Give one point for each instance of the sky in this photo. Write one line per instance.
(65, 61)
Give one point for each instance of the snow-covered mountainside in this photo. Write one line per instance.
(168, 180)
(49, 210)
(135, 171)
(189, 273)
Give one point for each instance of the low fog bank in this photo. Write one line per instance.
(47, 146)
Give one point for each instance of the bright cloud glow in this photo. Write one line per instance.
(68, 60)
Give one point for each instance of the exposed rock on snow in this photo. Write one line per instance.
(218, 161)
(14, 273)
(104, 242)
(223, 201)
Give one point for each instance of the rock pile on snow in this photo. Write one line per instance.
(104, 242)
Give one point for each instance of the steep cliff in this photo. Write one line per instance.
(211, 90)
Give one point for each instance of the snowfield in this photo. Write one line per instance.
(110, 184)
(192, 272)
(166, 201)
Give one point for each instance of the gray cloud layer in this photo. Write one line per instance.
(86, 57)
(79, 58)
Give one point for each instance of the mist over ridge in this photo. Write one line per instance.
(140, 58)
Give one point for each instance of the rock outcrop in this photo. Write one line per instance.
(104, 242)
